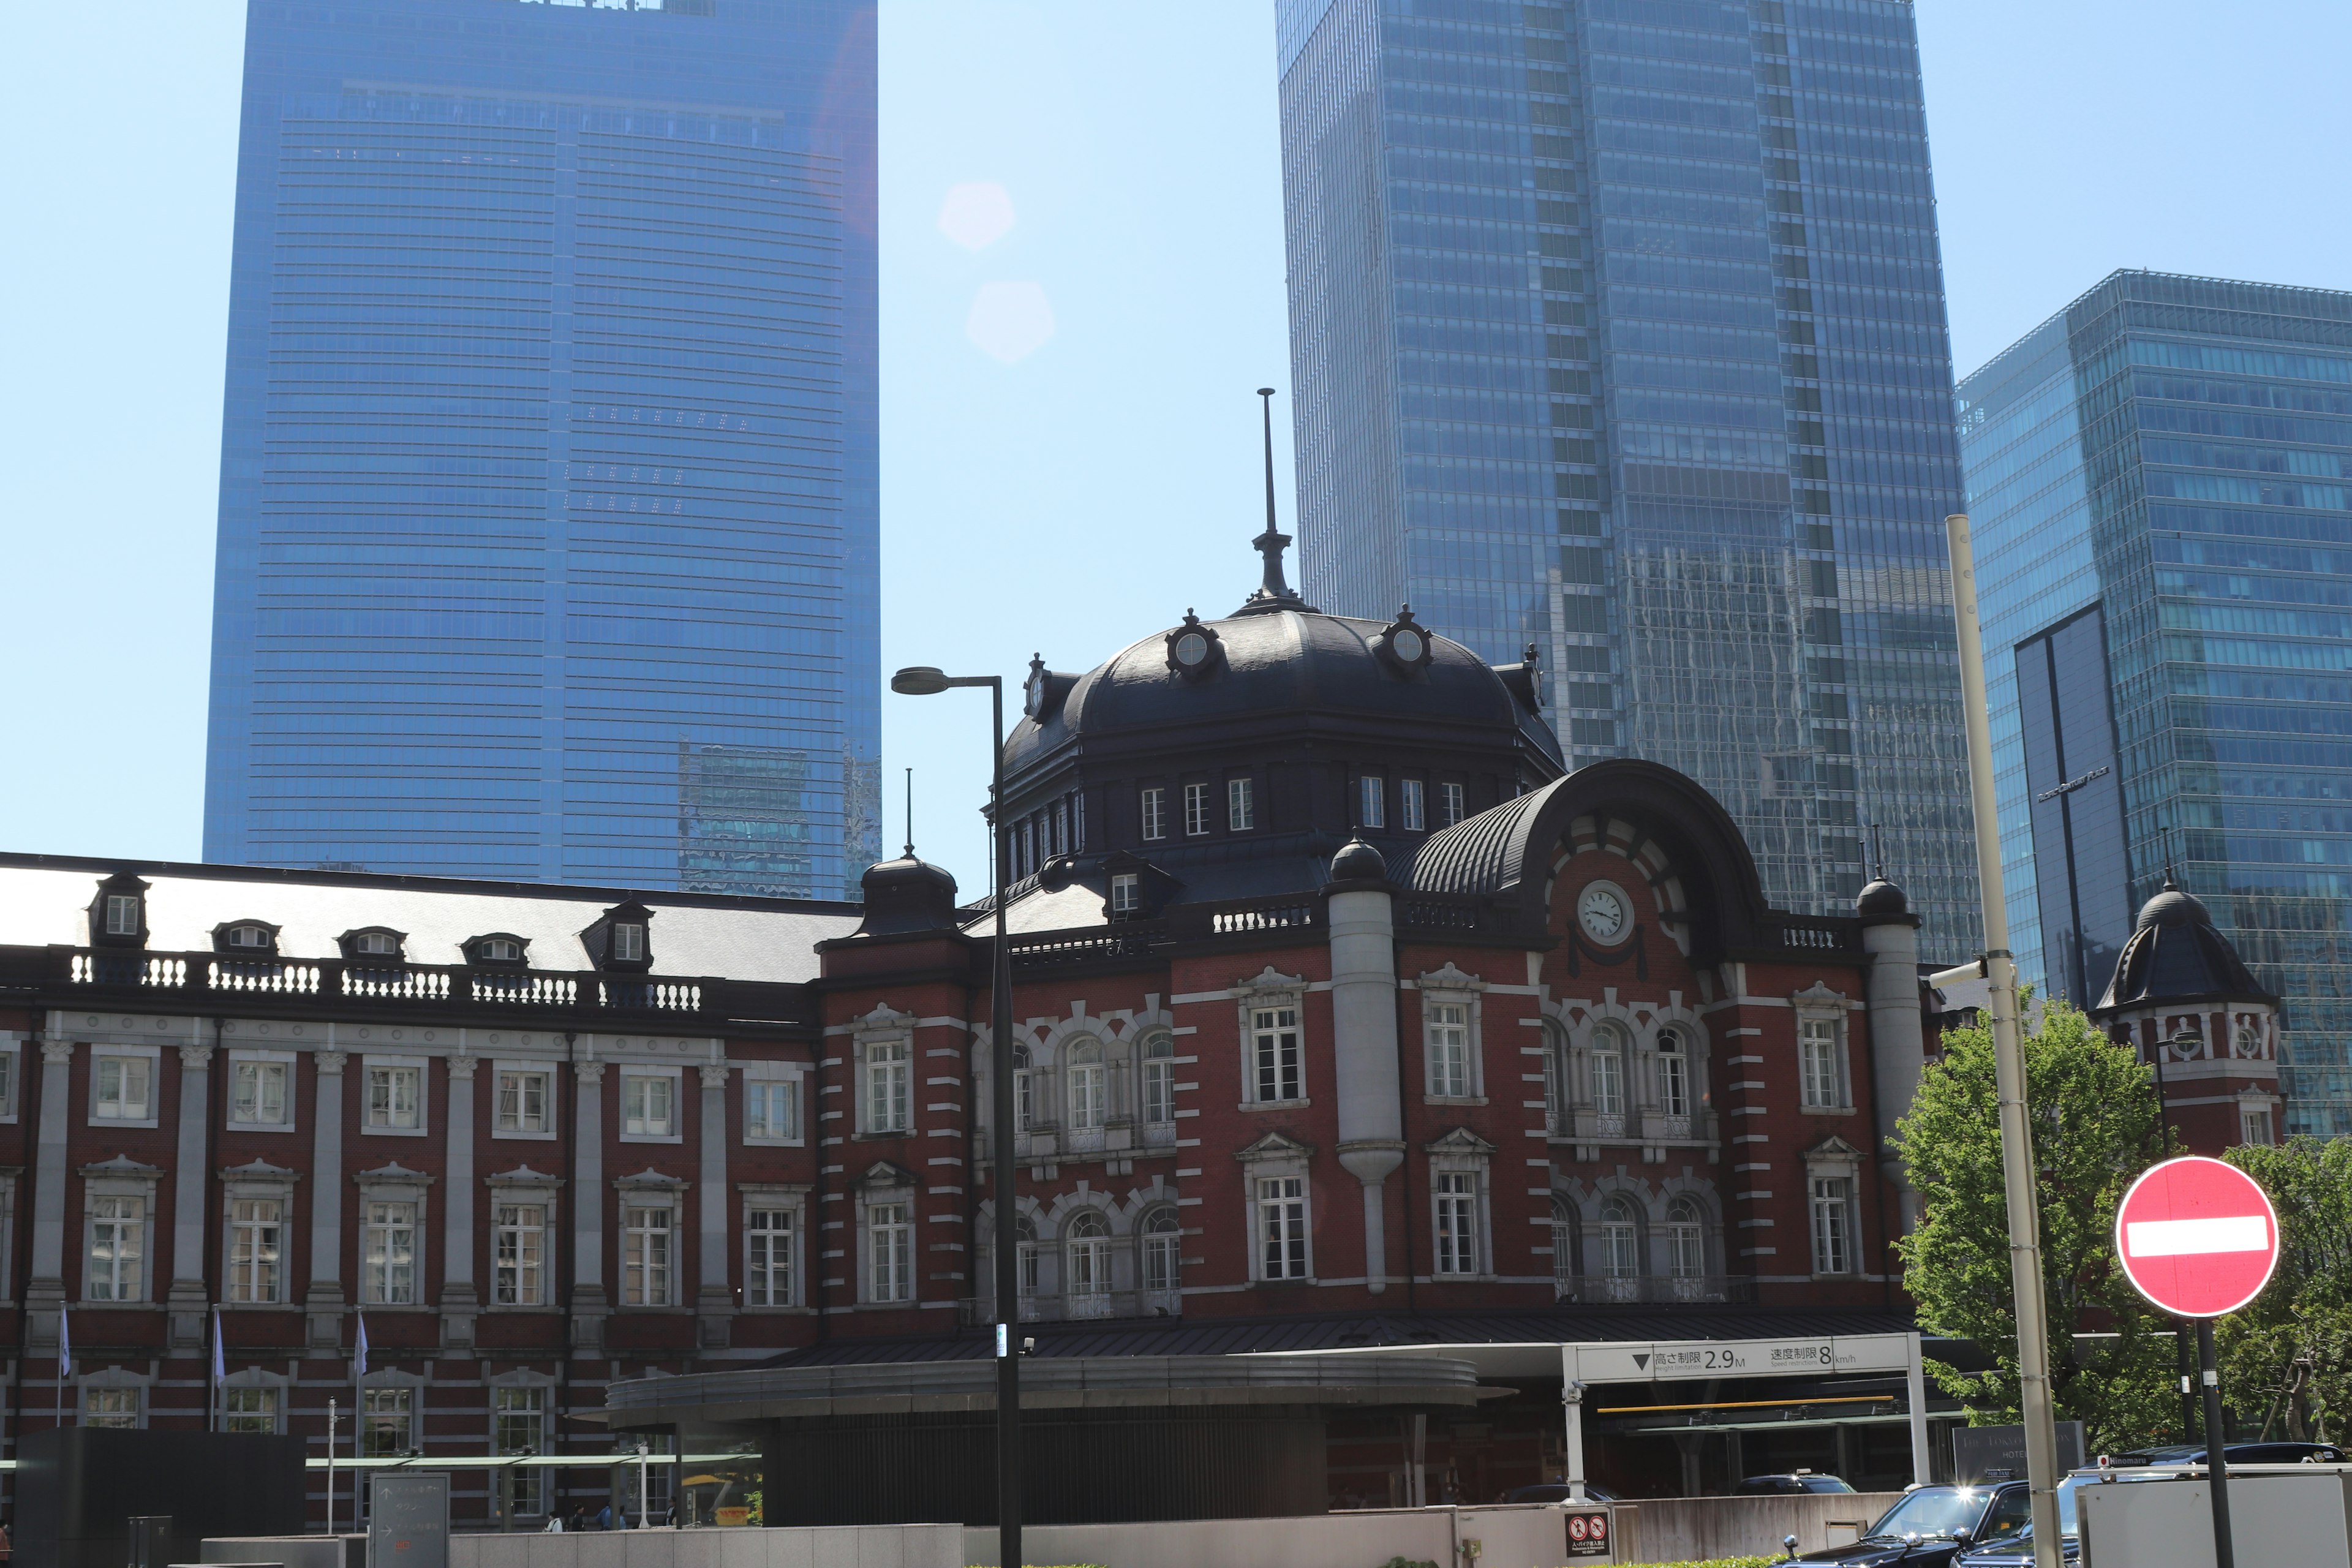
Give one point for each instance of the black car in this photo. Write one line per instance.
(2279, 1453)
(1556, 1492)
(1791, 1484)
(1932, 1525)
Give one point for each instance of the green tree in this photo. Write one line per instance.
(2095, 1125)
(2287, 1359)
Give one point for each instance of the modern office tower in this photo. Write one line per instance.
(548, 492)
(1617, 328)
(2159, 480)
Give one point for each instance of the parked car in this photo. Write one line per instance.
(1791, 1484)
(2284, 1452)
(1556, 1492)
(2015, 1550)
(1931, 1526)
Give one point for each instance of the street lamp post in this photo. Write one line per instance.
(2183, 1357)
(923, 680)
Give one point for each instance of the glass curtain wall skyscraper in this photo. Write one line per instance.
(548, 477)
(1617, 328)
(2160, 477)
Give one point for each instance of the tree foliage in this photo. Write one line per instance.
(2286, 1359)
(2095, 1125)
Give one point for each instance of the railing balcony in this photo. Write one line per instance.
(1635, 1125)
(1077, 1306)
(1690, 1289)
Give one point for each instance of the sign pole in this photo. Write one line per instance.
(2217, 1468)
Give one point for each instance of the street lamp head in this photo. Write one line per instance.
(920, 680)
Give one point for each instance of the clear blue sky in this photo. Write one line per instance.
(1064, 493)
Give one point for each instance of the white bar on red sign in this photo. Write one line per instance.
(2181, 1237)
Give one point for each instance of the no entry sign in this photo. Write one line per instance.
(2197, 1237)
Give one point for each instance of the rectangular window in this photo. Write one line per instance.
(1413, 805)
(1449, 805)
(1608, 1080)
(253, 1230)
(1823, 1084)
(1832, 1239)
(250, 1409)
(121, 914)
(522, 1103)
(393, 1095)
(768, 1271)
(1273, 1048)
(888, 1092)
(647, 1255)
(1126, 894)
(1061, 826)
(1372, 801)
(1241, 804)
(648, 1106)
(1282, 1227)
(1155, 813)
(1449, 1050)
(118, 1228)
(1158, 1091)
(121, 1090)
(890, 1243)
(110, 1407)
(2256, 1125)
(772, 1108)
(387, 1422)
(1196, 809)
(519, 1269)
(519, 1425)
(258, 1097)
(1458, 1223)
(7, 1083)
(628, 942)
(390, 1245)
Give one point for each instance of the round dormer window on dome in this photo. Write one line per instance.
(1193, 650)
(1404, 644)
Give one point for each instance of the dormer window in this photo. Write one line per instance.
(628, 942)
(621, 939)
(498, 948)
(245, 938)
(1126, 894)
(118, 915)
(376, 944)
(122, 914)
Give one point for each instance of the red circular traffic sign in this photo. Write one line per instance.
(2197, 1237)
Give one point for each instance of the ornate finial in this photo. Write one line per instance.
(1531, 659)
(1273, 590)
(1877, 853)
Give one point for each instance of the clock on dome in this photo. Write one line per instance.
(1604, 911)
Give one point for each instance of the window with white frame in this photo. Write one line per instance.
(250, 1407)
(1563, 1248)
(1085, 1258)
(1413, 805)
(258, 1093)
(767, 1258)
(118, 1247)
(390, 1249)
(648, 1254)
(2254, 1124)
(1456, 1228)
(8, 1059)
(387, 1422)
(1282, 1227)
(1196, 809)
(1241, 804)
(522, 1100)
(772, 1110)
(1833, 1205)
(1126, 894)
(1278, 1069)
(396, 1097)
(648, 1105)
(1162, 1244)
(1026, 1256)
(1686, 1239)
(1607, 1062)
(1555, 1063)
(1154, 808)
(1159, 1079)
(889, 1097)
(1449, 805)
(1673, 1075)
(1024, 1091)
(628, 942)
(1620, 1238)
(890, 1251)
(1447, 1025)
(1089, 1087)
(519, 1425)
(113, 1406)
(1372, 801)
(376, 944)
(1821, 1064)
(122, 914)
(518, 1255)
(256, 1267)
(122, 1088)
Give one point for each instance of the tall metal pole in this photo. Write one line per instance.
(2217, 1467)
(2009, 1069)
(1008, 1257)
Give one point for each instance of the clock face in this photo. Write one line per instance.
(1408, 645)
(1191, 650)
(1604, 912)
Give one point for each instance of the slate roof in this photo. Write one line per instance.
(2175, 954)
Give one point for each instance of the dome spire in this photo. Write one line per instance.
(1274, 591)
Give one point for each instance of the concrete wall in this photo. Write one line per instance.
(854, 1546)
(1694, 1529)
(2285, 1518)
(1524, 1537)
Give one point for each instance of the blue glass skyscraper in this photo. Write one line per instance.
(1617, 328)
(548, 470)
(2160, 480)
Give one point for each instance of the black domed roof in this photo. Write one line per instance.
(2172, 908)
(1880, 899)
(1277, 662)
(2175, 954)
(906, 896)
(1357, 861)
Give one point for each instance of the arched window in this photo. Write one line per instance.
(1555, 1060)
(1159, 1081)
(1686, 1239)
(1026, 1230)
(1674, 1074)
(1621, 1239)
(1608, 1062)
(1563, 1250)
(1024, 1092)
(1087, 1086)
(1161, 1241)
(1085, 1252)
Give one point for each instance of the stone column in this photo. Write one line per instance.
(715, 1307)
(44, 1293)
(324, 1304)
(590, 1305)
(1898, 1039)
(1364, 1038)
(190, 1188)
(458, 1296)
